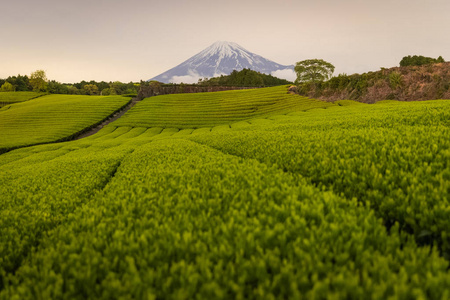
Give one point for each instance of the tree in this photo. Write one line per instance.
(91, 89)
(20, 83)
(117, 88)
(245, 77)
(55, 87)
(7, 87)
(106, 92)
(419, 60)
(313, 70)
(73, 90)
(38, 81)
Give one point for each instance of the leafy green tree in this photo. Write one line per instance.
(117, 88)
(73, 90)
(101, 85)
(106, 92)
(91, 89)
(419, 60)
(245, 77)
(20, 83)
(7, 87)
(313, 71)
(38, 81)
(80, 84)
(55, 87)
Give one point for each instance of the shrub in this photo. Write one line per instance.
(395, 80)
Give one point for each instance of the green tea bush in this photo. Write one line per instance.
(347, 202)
(53, 118)
(15, 97)
(393, 157)
(182, 220)
(218, 108)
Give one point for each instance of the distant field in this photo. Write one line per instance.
(211, 109)
(347, 202)
(53, 117)
(15, 97)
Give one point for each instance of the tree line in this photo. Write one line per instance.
(315, 75)
(244, 78)
(419, 60)
(311, 73)
(38, 82)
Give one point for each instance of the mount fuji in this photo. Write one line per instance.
(221, 58)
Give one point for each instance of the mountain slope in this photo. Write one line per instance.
(221, 58)
(411, 83)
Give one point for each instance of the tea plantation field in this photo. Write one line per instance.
(7, 98)
(52, 118)
(308, 200)
(211, 109)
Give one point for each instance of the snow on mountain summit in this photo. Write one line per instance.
(221, 58)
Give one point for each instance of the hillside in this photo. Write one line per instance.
(218, 108)
(53, 118)
(347, 202)
(15, 97)
(411, 83)
(245, 77)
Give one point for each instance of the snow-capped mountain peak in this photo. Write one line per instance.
(221, 58)
(223, 49)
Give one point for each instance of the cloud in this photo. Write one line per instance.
(192, 77)
(219, 74)
(287, 74)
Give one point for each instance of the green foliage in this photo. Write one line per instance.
(23, 83)
(132, 95)
(338, 82)
(7, 87)
(356, 83)
(405, 84)
(419, 60)
(392, 157)
(52, 118)
(38, 81)
(313, 70)
(211, 109)
(91, 89)
(231, 212)
(15, 97)
(20, 83)
(395, 80)
(55, 87)
(347, 202)
(246, 78)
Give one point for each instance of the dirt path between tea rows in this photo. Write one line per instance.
(114, 117)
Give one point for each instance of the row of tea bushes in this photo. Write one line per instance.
(180, 220)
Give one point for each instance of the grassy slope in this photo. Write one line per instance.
(53, 117)
(211, 109)
(233, 211)
(15, 97)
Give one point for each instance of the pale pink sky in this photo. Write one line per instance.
(133, 40)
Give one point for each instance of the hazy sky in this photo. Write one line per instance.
(133, 40)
